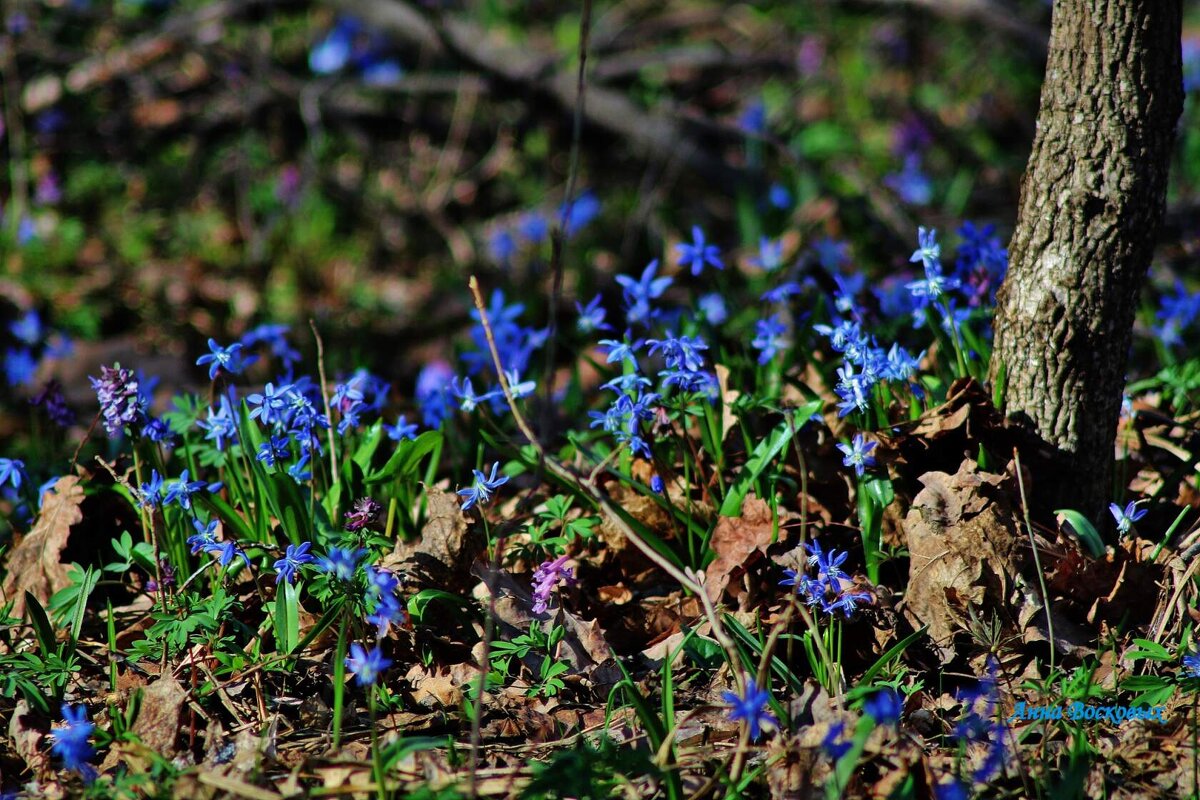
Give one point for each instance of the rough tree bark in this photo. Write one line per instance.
(1091, 202)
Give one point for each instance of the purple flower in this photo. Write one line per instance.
(364, 513)
(546, 578)
(698, 253)
(51, 399)
(121, 404)
(751, 707)
(366, 665)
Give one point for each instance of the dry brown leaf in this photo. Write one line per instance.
(26, 740)
(33, 564)
(963, 540)
(435, 689)
(445, 548)
(157, 723)
(736, 540)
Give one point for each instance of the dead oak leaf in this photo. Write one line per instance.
(33, 564)
(736, 540)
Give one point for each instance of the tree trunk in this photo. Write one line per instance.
(1091, 202)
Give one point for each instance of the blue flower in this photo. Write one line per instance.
(754, 119)
(781, 293)
(268, 407)
(1125, 517)
(366, 665)
(333, 52)
(401, 430)
(884, 706)
(928, 251)
(151, 491)
(205, 536)
(19, 366)
(1191, 663)
(698, 253)
(857, 454)
(388, 612)
(769, 338)
(620, 351)
(481, 491)
(751, 707)
(71, 742)
(12, 471)
(221, 358)
(181, 491)
(779, 197)
(951, 789)
(274, 450)
(226, 552)
(293, 559)
(341, 563)
(770, 255)
(220, 427)
(833, 743)
(681, 352)
(911, 183)
(712, 308)
(591, 317)
(467, 399)
(533, 227)
(579, 212)
(638, 293)
(384, 72)
(28, 328)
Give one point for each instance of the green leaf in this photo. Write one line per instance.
(1149, 650)
(406, 461)
(293, 511)
(421, 600)
(764, 454)
(1084, 529)
(287, 617)
(42, 629)
(892, 652)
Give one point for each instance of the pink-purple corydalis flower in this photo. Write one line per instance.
(546, 578)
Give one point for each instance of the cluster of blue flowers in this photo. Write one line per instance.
(831, 590)
(910, 141)
(531, 230)
(350, 44)
(33, 344)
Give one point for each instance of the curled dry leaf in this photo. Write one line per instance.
(33, 564)
(963, 540)
(445, 549)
